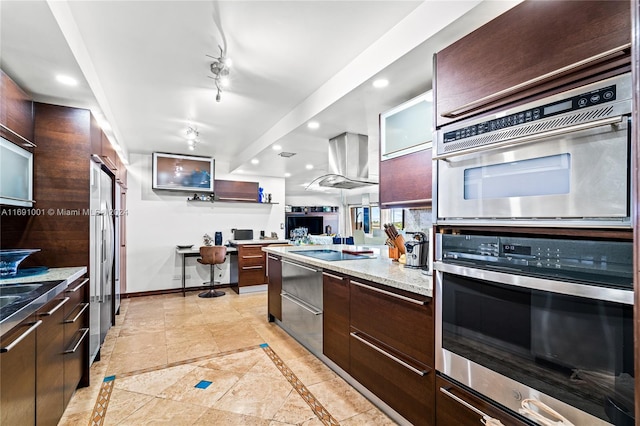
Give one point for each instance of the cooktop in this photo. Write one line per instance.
(330, 255)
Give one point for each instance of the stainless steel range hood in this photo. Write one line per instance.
(348, 163)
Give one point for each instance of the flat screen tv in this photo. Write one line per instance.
(312, 223)
(179, 172)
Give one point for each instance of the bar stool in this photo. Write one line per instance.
(212, 255)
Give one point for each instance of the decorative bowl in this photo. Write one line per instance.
(186, 246)
(11, 258)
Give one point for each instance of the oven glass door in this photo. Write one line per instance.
(581, 175)
(574, 349)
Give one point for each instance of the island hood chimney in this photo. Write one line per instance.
(348, 163)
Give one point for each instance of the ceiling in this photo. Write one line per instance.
(143, 69)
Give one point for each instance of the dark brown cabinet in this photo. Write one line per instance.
(274, 301)
(392, 351)
(18, 382)
(50, 362)
(76, 337)
(233, 190)
(405, 181)
(108, 154)
(535, 47)
(455, 406)
(16, 114)
(335, 318)
(252, 265)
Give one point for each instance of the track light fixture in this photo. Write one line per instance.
(220, 70)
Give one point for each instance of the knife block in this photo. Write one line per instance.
(393, 253)
(399, 242)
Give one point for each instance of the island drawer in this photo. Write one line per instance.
(403, 320)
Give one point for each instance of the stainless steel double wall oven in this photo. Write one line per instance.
(527, 313)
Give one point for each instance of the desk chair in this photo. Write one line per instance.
(212, 255)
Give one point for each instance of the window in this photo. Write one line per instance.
(395, 216)
(365, 218)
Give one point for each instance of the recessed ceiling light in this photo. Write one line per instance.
(276, 147)
(255, 161)
(313, 124)
(380, 83)
(65, 79)
(287, 175)
(191, 147)
(309, 166)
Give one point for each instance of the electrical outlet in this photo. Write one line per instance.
(281, 225)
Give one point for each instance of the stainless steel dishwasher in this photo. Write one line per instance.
(302, 304)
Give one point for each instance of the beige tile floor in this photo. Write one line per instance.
(162, 346)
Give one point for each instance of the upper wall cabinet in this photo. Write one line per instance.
(16, 113)
(533, 48)
(407, 128)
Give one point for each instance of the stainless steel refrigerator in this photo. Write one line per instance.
(102, 255)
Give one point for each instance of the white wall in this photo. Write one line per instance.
(159, 220)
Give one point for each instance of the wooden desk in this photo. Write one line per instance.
(193, 252)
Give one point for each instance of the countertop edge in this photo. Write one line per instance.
(426, 290)
(70, 275)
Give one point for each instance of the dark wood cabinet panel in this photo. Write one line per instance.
(274, 301)
(252, 263)
(233, 190)
(402, 320)
(62, 183)
(451, 412)
(18, 383)
(405, 385)
(405, 181)
(335, 319)
(50, 362)
(523, 49)
(16, 112)
(76, 344)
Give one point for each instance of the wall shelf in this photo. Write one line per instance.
(211, 201)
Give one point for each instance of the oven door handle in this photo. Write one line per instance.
(486, 419)
(572, 289)
(532, 138)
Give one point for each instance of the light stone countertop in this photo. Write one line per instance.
(53, 274)
(380, 269)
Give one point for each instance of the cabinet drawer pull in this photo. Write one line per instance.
(22, 336)
(300, 303)
(421, 200)
(389, 293)
(31, 144)
(84, 308)
(421, 373)
(333, 276)
(77, 345)
(58, 306)
(463, 402)
(251, 267)
(513, 89)
(254, 256)
(274, 258)
(300, 266)
(78, 287)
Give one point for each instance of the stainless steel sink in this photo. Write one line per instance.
(7, 300)
(7, 290)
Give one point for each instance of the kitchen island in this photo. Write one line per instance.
(370, 319)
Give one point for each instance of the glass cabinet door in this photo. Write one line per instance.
(407, 128)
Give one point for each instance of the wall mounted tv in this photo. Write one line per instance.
(179, 172)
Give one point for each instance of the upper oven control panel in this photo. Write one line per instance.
(560, 112)
(574, 103)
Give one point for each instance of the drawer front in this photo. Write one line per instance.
(251, 256)
(405, 385)
(75, 355)
(304, 323)
(456, 406)
(251, 275)
(76, 292)
(403, 321)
